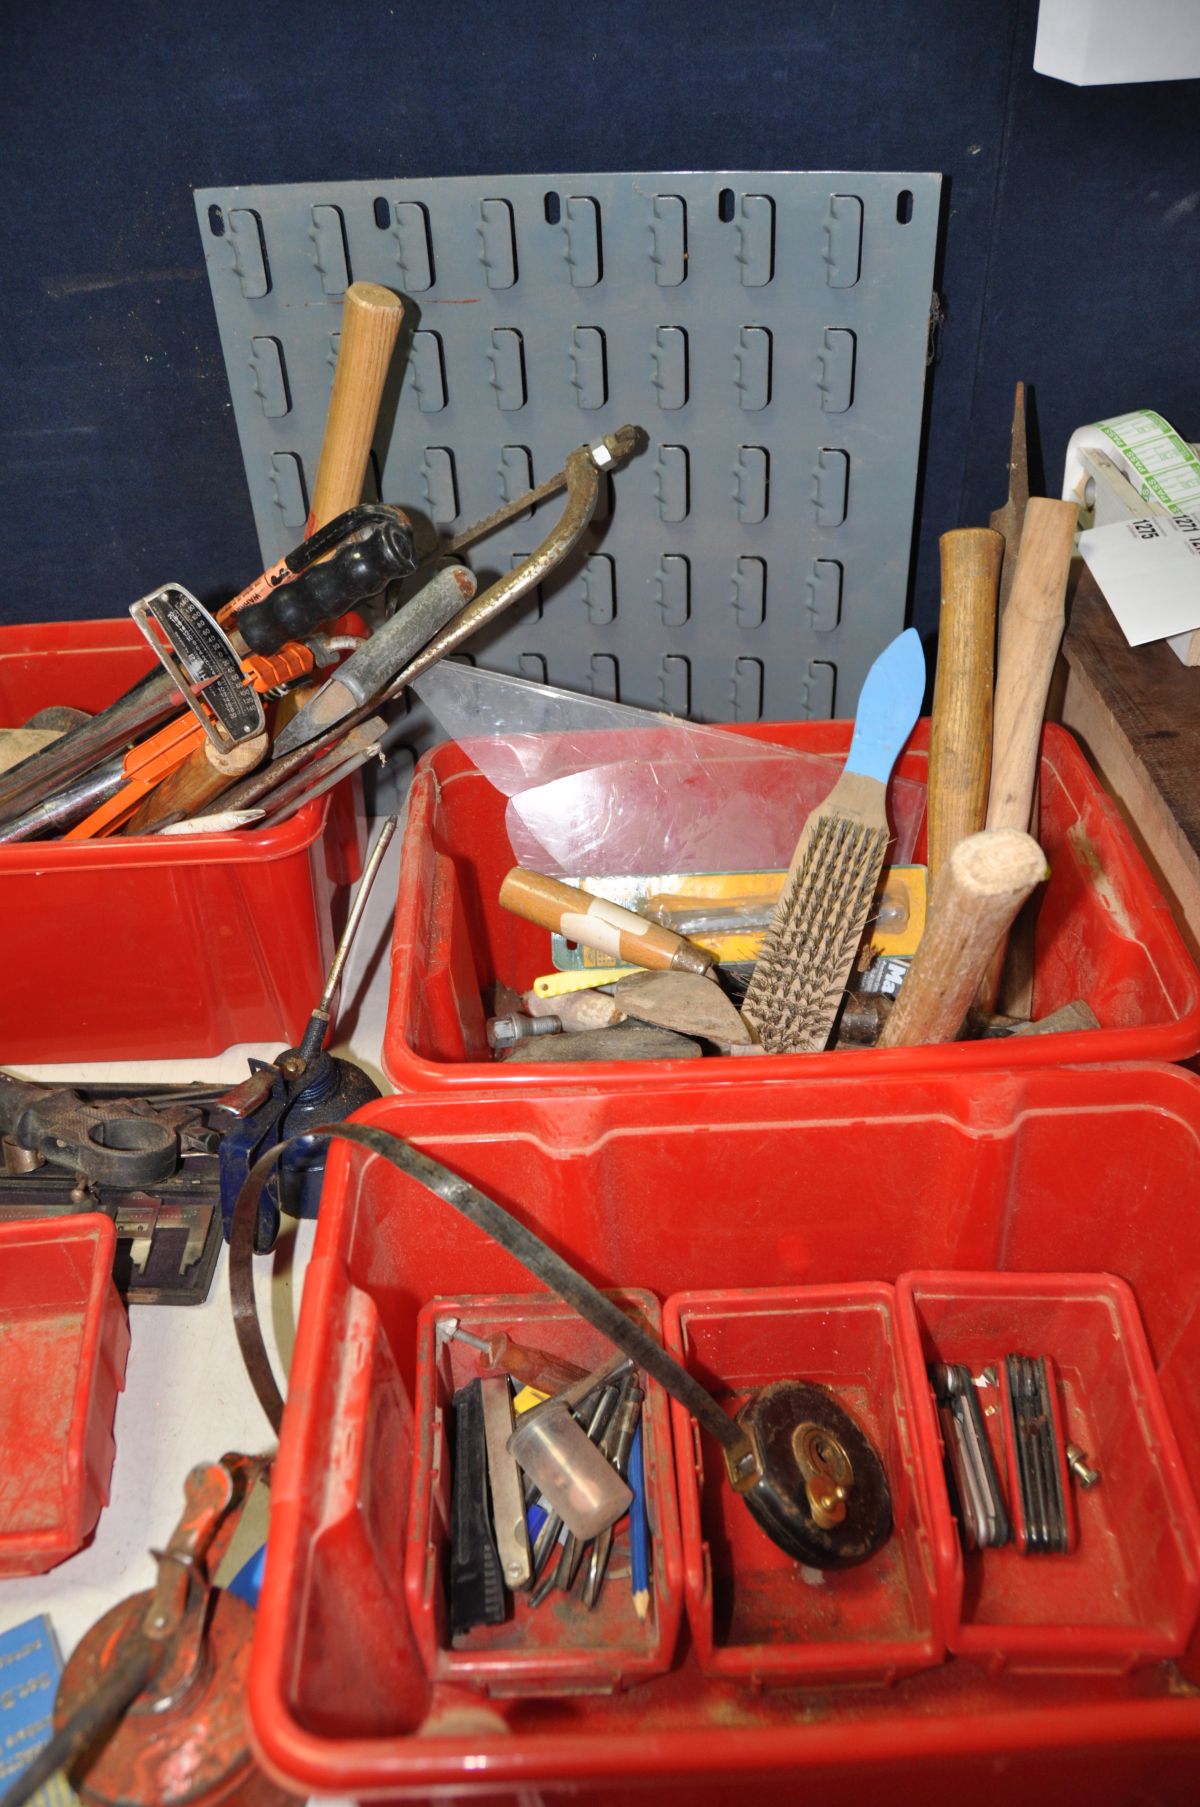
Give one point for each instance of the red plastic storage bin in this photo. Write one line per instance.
(1090, 1168)
(1104, 934)
(558, 1647)
(140, 948)
(64, 1340)
(1129, 1591)
(755, 1615)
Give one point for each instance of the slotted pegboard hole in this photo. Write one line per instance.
(904, 206)
(216, 221)
(726, 204)
(382, 212)
(552, 207)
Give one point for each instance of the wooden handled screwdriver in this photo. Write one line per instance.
(982, 886)
(598, 924)
(960, 740)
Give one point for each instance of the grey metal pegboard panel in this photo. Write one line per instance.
(768, 330)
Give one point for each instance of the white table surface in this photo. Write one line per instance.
(187, 1398)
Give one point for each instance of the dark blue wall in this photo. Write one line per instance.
(1071, 221)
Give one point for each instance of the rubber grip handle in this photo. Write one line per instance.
(361, 567)
(960, 738)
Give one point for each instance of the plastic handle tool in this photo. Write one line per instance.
(888, 707)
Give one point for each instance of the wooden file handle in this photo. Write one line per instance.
(371, 318)
(1029, 639)
(599, 924)
(960, 740)
(203, 775)
(982, 886)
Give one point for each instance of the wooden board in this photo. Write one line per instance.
(1136, 712)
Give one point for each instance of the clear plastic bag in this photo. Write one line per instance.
(600, 788)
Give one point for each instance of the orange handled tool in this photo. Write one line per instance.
(599, 924)
(181, 743)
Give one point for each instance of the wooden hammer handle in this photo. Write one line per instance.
(1029, 639)
(960, 741)
(371, 318)
(203, 775)
(598, 924)
(982, 886)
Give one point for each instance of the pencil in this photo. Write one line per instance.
(639, 1540)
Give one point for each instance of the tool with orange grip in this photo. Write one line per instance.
(148, 767)
(372, 546)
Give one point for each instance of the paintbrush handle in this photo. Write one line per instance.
(960, 738)
(982, 886)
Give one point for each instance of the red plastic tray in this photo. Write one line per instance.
(1088, 1168)
(557, 1647)
(1129, 1591)
(754, 1615)
(139, 948)
(1104, 934)
(65, 1340)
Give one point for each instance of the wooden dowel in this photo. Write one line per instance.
(371, 317)
(982, 886)
(1029, 640)
(960, 741)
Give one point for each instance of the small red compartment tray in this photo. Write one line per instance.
(1129, 1591)
(558, 1647)
(65, 1341)
(140, 948)
(755, 1614)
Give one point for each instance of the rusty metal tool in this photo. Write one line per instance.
(387, 651)
(684, 1002)
(151, 1707)
(537, 1368)
(584, 468)
(1016, 983)
(1010, 519)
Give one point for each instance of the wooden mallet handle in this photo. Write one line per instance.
(982, 886)
(371, 318)
(203, 775)
(1029, 640)
(960, 740)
